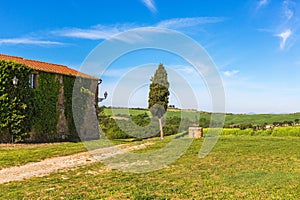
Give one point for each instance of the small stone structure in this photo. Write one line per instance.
(195, 132)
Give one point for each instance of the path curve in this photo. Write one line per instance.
(50, 165)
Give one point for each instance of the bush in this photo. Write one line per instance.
(140, 126)
(141, 119)
(116, 133)
(203, 122)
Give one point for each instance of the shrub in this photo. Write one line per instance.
(143, 127)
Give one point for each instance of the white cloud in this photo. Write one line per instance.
(184, 69)
(91, 34)
(99, 32)
(288, 13)
(284, 36)
(150, 5)
(262, 3)
(28, 41)
(94, 33)
(177, 23)
(286, 22)
(231, 73)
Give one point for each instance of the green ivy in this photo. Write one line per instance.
(15, 102)
(46, 108)
(68, 82)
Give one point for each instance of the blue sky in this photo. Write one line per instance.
(255, 45)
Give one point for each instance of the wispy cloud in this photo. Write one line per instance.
(288, 13)
(284, 36)
(91, 34)
(230, 73)
(184, 69)
(150, 4)
(262, 3)
(107, 31)
(287, 23)
(178, 23)
(95, 32)
(27, 41)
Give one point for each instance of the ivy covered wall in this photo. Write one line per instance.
(33, 114)
(45, 108)
(15, 102)
(68, 82)
(84, 108)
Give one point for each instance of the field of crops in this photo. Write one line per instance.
(278, 131)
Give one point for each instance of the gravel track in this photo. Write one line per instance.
(50, 165)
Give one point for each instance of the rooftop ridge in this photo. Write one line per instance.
(47, 66)
(18, 57)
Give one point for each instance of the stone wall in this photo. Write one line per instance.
(195, 132)
(89, 129)
(62, 123)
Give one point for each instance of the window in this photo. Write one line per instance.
(33, 81)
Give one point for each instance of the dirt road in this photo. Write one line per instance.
(50, 165)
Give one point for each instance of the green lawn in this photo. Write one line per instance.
(239, 167)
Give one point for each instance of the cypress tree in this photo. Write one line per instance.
(159, 95)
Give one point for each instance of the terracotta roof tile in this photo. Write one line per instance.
(47, 67)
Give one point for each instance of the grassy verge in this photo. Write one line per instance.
(14, 155)
(239, 167)
(20, 154)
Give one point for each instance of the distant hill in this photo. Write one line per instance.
(229, 118)
(251, 113)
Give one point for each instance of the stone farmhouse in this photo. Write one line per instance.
(75, 118)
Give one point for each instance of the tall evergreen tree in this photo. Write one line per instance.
(159, 95)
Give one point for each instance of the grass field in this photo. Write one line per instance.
(239, 167)
(229, 118)
(171, 112)
(261, 118)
